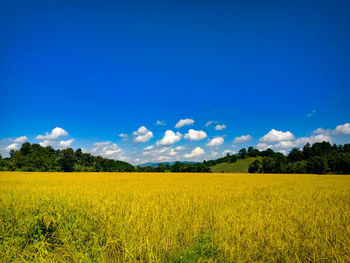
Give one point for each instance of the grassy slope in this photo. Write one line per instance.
(241, 166)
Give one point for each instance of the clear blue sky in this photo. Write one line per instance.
(100, 68)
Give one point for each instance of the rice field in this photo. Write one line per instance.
(149, 217)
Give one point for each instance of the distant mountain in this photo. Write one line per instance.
(165, 163)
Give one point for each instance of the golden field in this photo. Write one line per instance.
(144, 217)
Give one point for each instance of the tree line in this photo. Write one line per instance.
(319, 158)
(34, 157)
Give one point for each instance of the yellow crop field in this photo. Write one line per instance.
(146, 217)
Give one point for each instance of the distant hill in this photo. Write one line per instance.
(165, 163)
(240, 166)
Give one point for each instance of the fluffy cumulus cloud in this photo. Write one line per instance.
(217, 141)
(108, 150)
(313, 139)
(162, 123)
(277, 136)
(284, 145)
(242, 138)
(342, 129)
(264, 146)
(195, 152)
(13, 146)
(169, 138)
(184, 122)
(194, 135)
(20, 139)
(210, 123)
(220, 127)
(159, 154)
(53, 135)
(53, 138)
(65, 144)
(142, 134)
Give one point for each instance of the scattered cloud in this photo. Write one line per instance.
(108, 150)
(210, 123)
(184, 122)
(284, 145)
(313, 139)
(217, 141)
(20, 139)
(242, 138)
(162, 123)
(195, 152)
(312, 113)
(53, 135)
(224, 153)
(264, 146)
(277, 136)
(179, 148)
(148, 148)
(194, 135)
(170, 137)
(142, 134)
(13, 146)
(52, 138)
(342, 129)
(65, 144)
(124, 136)
(220, 127)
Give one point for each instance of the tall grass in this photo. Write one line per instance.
(116, 217)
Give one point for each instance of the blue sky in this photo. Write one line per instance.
(98, 69)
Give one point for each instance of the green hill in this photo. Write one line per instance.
(240, 166)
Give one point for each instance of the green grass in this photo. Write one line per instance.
(241, 166)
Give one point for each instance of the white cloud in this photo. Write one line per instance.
(46, 143)
(284, 145)
(264, 146)
(148, 148)
(142, 134)
(224, 153)
(220, 127)
(179, 148)
(195, 152)
(53, 135)
(124, 136)
(210, 123)
(65, 144)
(170, 137)
(313, 139)
(160, 123)
(213, 154)
(321, 130)
(108, 150)
(312, 113)
(277, 136)
(20, 139)
(242, 138)
(172, 152)
(194, 135)
(184, 122)
(217, 141)
(342, 129)
(12, 146)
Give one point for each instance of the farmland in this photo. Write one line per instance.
(170, 217)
